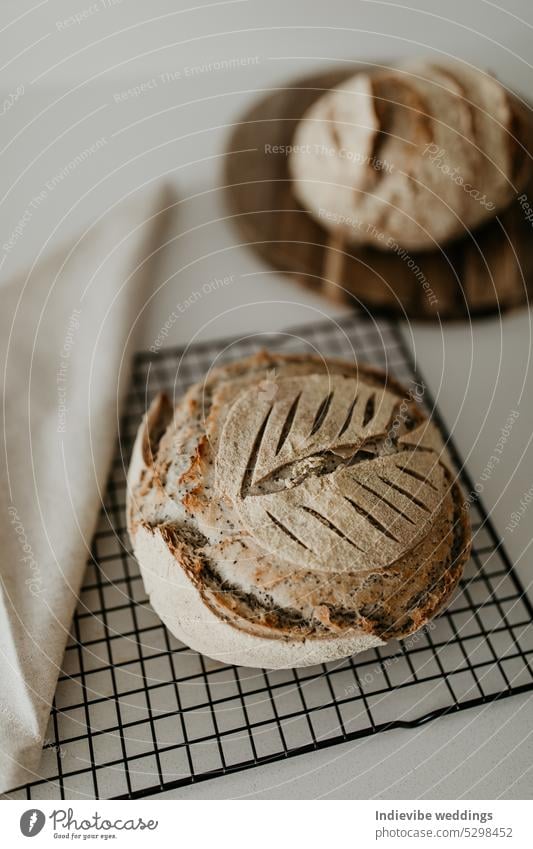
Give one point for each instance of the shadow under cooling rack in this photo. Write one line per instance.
(136, 712)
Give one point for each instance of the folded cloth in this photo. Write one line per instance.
(65, 331)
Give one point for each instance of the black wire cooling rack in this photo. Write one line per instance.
(136, 712)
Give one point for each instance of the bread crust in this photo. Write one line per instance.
(213, 597)
(411, 157)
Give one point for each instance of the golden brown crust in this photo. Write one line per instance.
(157, 421)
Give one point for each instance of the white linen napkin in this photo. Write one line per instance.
(65, 332)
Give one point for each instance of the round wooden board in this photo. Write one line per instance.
(488, 271)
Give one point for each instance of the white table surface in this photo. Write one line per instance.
(74, 77)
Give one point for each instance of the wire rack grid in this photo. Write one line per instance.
(136, 712)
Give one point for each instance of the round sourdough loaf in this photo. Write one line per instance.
(412, 156)
(291, 510)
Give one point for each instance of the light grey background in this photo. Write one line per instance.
(73, 81)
